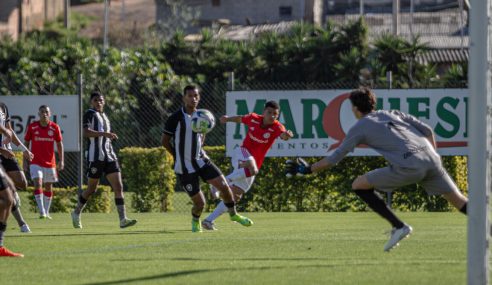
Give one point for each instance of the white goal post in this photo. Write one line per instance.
(480, 110)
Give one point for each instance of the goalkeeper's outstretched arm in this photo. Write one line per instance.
(321, 165)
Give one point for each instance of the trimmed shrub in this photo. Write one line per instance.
(65, 199)
(330, 190)
(148, 172)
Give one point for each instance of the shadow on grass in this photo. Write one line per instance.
(198, 271)
(92, 234)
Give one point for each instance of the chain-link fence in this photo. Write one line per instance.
(138, 117)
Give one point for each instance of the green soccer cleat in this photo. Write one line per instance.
(245, 221)
(76, 221)
(125, 223)
(196, 227)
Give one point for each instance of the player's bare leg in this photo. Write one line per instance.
(365, 191)
(246, 168)
(458, 200)
(208, 223)
(225, 191)
(92, 184)
(119, 199)
(20, 182)
(6, 202)
(38, 195)
(196, 211)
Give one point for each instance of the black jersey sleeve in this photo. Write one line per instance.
(88, 119)
(171, 124)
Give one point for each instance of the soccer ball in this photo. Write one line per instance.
(202, 121)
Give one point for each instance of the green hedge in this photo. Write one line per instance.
(65, 199)
(330, 190)
(149, 174)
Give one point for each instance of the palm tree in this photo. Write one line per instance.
(389, 50)
(412, 50)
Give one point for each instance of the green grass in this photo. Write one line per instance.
(281, 248)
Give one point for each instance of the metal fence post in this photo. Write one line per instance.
(80, 168)
(230, 81)
(389, 77)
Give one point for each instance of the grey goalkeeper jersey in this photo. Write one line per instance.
(397, 136)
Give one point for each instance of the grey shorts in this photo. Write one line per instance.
(434, 179)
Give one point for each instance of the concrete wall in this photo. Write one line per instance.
(243, 12)
(18, 16)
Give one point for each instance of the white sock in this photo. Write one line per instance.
(39, 202)
(219, 210)
(47, 204)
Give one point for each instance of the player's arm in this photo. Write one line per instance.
(234, 119)
(25, 151)
(166, 143)
(25, 163)
(287, 135)
(89, 133)
(61, 155)
(7, 134)
(7, 138)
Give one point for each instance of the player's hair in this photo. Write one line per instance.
(272, 104)
(190, 87)
(364, 99)
(96, 94)
(43, 107)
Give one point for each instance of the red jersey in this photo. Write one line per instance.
(42, 139)
(259, 139)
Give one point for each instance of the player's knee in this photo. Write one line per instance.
(199, 206)
(22, 185)
(361, 183)
(253, 170)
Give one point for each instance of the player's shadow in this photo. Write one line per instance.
(93, 234)
(198, 271)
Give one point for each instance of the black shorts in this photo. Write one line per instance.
(10, 164)
(191, 183)
(95, 169)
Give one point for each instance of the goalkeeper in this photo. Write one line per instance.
(406, 143)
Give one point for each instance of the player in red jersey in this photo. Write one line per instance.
(40, 136)
(248, 158)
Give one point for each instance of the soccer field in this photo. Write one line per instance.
(281, 248)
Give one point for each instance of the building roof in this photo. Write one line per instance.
(444, 56)
(443, 32)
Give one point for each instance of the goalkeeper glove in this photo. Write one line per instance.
(299, 167)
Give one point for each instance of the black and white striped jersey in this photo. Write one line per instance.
(4, 119)
(188, 152)
(98, 148)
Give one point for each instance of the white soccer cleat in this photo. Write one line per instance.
(397, 235)
(208, 225)
(76, 221)
(25, 229)
(125, 223)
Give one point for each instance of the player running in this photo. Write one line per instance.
(248, 158)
